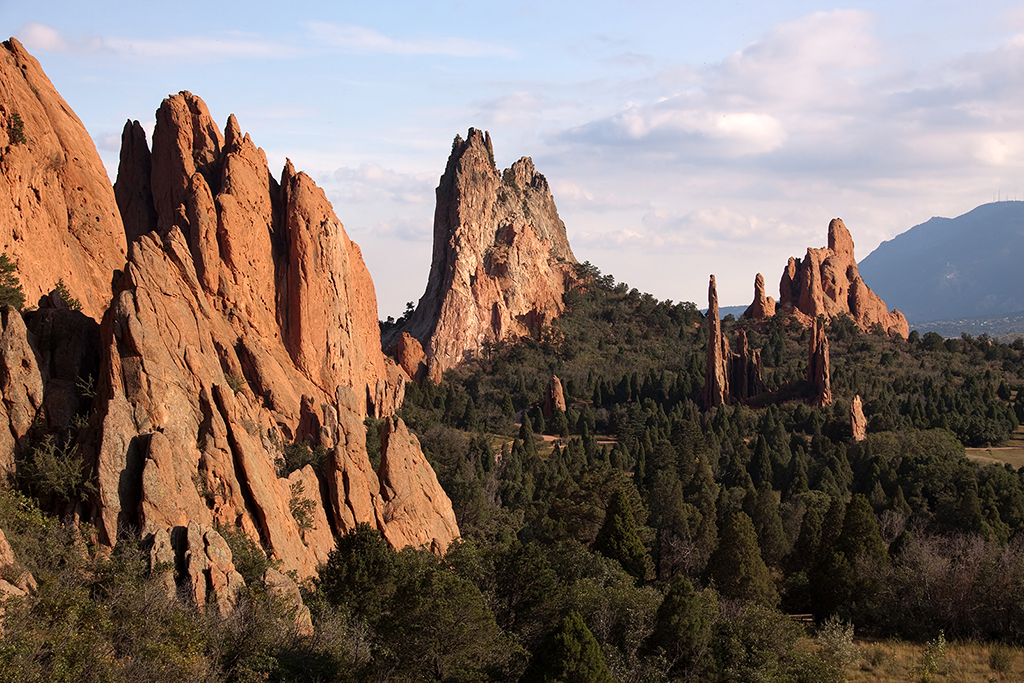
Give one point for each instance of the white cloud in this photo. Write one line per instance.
(180, 49)
(370, 183)
(361, 39)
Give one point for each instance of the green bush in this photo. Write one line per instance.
(11, 293)
(17, 129)
(65, 294)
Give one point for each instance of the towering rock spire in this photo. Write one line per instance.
(858, 423)
(763, 306)
(826, 282)
(818, 371)
(501, 259)
(716, 382)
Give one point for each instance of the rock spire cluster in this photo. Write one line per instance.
(501, 260)
(826, 282)
(224, 315)
(730, 377)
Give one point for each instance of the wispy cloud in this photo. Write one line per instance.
(180, 49)
(362, 39)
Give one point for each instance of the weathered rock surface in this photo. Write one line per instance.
(408, 353)
(416, 510)
(762, 306)
(554, 398)
(57, 205)
(746, 382)
(826, 282)
(501, 260)
(818, 370)
(858, 423)
(245, 310)
(6, 554)
(716, 381)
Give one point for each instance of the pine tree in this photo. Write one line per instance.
(11, 293)
(737, 567)
(570, 654)
(619, 537)
(684, 624)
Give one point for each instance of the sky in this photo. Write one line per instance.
(680, 139)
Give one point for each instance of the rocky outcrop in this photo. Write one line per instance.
(746, 382)
(554, 398)
(246, 320)
(826, 282)
(818, 370)
(858, 423)
(719, 355)
(408, 353)
(57, 206)
(501, 259)
(416, 510)
(763, 306)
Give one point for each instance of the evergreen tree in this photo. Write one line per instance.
(619, 537)
(737, 567)
(684, 625)
(11, 293)
(570, 654)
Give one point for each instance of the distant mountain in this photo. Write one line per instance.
(960, 267)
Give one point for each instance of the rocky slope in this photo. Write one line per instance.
(501, 260)
(826, 282)
(241, 320)
(962, 267)
(56, 203)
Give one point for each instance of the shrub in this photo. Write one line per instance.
(17, 129)
(55, 474)
(301, 507)
(11, 293)
(235, 382)
(836, 640)
(62, 289)
(297, 455)
(248, 557)
(1000, 659)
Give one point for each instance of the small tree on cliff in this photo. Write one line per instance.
(11, 293)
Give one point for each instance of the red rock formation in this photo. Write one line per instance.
(826, 282)
(763, 306)
(746, 382)
(246, 310)
(58, 216)
(858, 423)
(716, 383)
(408, 353)
(554, 398)
(818, 371)
(501, 259)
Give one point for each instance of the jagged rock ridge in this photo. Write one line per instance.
(246, 320)
(240, 319)
(501, 259)
(826, 282)
(58, 217)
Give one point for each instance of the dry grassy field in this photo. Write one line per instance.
(963, 663)
(1012, 452)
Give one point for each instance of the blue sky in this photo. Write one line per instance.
(679, 138)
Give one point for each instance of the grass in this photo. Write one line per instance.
(892, 661)
(1011, 452)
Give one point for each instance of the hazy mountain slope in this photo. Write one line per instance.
(960, 267)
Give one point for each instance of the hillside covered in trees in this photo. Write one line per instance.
(633, 536)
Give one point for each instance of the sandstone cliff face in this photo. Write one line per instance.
(501, 260)
(246, 320)
(58, 217)
(826, 282)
